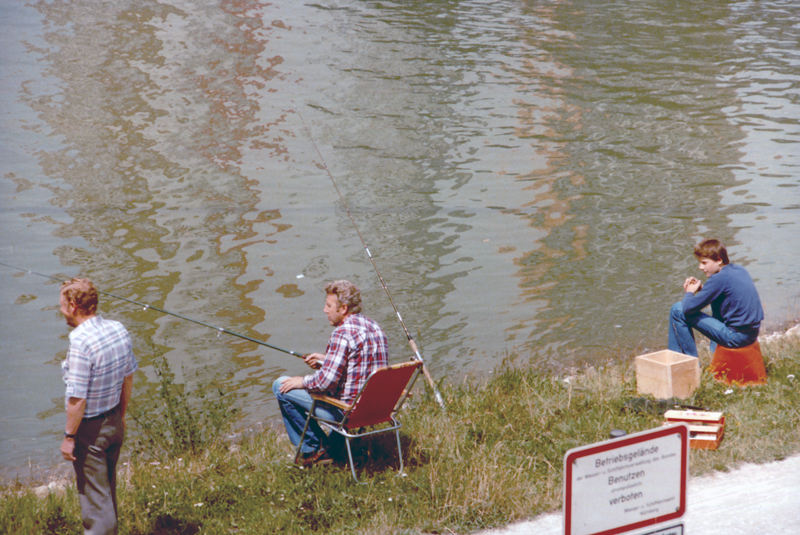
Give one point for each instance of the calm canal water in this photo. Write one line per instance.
(529, 176)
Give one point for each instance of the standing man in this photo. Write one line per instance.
(355, 349)
(98, 373)
(736, 312)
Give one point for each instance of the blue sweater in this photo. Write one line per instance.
(733, 298)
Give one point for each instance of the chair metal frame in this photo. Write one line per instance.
(354, 414)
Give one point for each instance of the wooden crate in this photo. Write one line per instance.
(667, 374)
(706, 429)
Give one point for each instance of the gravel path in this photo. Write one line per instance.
(754, 499)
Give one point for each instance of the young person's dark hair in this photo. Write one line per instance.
(713, 250)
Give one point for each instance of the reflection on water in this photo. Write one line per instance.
(529, 176)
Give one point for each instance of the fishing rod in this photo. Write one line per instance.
(220, 330)
(411, 341)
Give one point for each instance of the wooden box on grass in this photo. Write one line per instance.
(667, 374)
(706, 429)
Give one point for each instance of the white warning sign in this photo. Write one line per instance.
(624, 484)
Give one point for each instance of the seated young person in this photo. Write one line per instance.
(736, 312)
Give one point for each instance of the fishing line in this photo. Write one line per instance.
(411, 341)
(145, 307)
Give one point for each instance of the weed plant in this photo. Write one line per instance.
(186, 421)
(495, 456)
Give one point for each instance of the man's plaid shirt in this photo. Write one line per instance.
(100, 356)
(355, 349)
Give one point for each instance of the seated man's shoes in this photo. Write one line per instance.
(320, 457)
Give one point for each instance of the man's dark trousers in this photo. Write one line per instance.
(97, 448)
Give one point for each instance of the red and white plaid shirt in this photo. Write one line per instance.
(356, 348)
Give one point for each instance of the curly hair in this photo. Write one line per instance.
(347, 293)
(713, 250)
(81, 292)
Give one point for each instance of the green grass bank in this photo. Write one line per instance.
(495, 456)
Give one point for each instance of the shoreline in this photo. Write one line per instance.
(61, 473)
(493, 459)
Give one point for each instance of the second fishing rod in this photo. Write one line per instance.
(411, 342)
(145, 307)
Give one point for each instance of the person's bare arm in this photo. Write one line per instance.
(125, 396)
(75, 410)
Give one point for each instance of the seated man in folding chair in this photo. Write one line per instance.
(355, 349)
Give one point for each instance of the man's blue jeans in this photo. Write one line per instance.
(294, 406)
(681, 335)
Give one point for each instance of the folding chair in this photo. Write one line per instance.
(381, 397)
